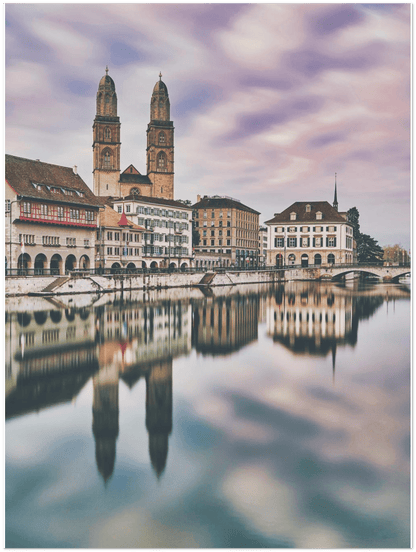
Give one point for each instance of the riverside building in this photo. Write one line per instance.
(228, 230)
(309, 233)
(51, 218)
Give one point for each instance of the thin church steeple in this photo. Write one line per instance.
(335, 204)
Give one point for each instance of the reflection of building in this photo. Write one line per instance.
(222, 326)
(137, 341)
(311, 320)
(105, 418)
(159, 412)
(51, 218)
(50, 355)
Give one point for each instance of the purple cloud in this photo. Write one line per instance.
(333, 19)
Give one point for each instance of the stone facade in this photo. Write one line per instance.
(229, 232)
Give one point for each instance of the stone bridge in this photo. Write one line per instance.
(339, 272)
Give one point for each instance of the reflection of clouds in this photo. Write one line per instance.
(137, 528)
(271, 507)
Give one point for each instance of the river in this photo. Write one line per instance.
(234, 417)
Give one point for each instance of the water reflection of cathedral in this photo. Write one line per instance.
(52, 354)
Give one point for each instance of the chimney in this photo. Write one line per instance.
(198, 198)
(75, 169)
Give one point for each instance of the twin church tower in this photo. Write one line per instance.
(108, 181)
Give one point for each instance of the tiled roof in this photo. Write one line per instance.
(155, 200)
(131, 178)
(22, 173)
(110, 219)
(329, 214)
(224, 202)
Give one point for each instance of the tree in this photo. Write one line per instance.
(185, 201)
(353, 217)
(196, 237)
(396, 254)
(368, 250)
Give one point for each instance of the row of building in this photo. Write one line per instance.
(55, 223)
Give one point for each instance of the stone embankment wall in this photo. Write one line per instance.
(94, 284)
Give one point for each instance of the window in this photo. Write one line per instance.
(128, 208)
(60, 212)
(292, 242)
(317, 242)
(107, 134)
(228, 232)
(86, 243)
(109, 236)
(119, 209)
(331, 241)
(8, 205)
(109, 250)
(279, 242)
(161, 160)
(292, 229)
(71, 242)
(89, 215)
(26, 207)
(107, 160)
(162, 138)
(331, 229)
(212, 214)
(308, 208)
(204, 232)
(293, 216)
(318, 215)
(318, 228)
(228, 243)
(74, 214)
(205, 214)
(305, 229)
(305, 242)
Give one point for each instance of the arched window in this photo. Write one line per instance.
(162, 138)
(161, 160)
(107, 160)
(107, 134)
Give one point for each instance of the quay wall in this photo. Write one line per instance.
(93, 284)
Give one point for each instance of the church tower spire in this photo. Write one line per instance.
(160, 160)
(335, 203)
(106, 140)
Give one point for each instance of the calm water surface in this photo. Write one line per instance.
(250, 416)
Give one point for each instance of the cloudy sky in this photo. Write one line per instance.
(269, 101)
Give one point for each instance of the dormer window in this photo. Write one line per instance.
(308, 208)
(293, 216)
(318, 215)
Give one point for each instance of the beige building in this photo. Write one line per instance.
(228, 230)
(51, 218)
(119, 241)
(159, 178)
(309, 233)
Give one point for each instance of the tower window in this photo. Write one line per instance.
(107, 160)
(107, 134)
(161, 160)
(162, 138)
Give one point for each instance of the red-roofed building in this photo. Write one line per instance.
(119, 241)
(51, 218)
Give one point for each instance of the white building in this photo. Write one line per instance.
(309, 233)
(51, 218)
(167, 240)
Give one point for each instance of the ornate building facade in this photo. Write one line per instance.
(108, 181)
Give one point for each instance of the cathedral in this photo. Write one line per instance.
(107, 178)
